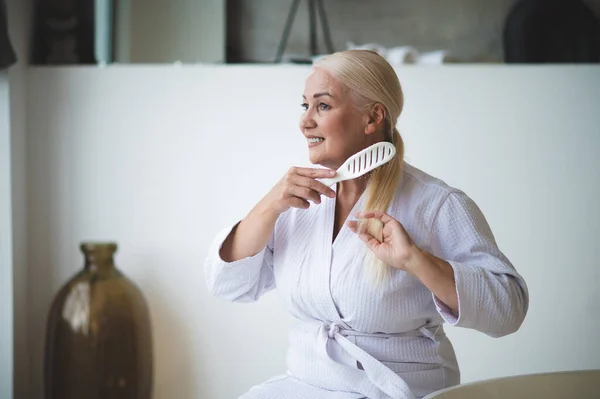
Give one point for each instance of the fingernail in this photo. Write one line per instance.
(332, 172)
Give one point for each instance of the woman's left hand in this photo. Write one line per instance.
(396, 249)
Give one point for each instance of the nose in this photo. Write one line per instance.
(307, 121)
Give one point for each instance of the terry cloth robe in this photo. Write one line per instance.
(353, 339)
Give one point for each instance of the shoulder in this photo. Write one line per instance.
(419, 187)
(422, 199)
(444, 208)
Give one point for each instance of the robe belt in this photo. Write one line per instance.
(380, 375)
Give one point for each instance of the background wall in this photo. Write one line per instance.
(19, 23)
(6, 253)
(161, 158)
(158, 31)
(469, 29)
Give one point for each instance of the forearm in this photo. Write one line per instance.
(436, 274)
(250, 236)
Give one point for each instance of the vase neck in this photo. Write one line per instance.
(98, 256)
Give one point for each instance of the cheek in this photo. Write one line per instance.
(334, 124)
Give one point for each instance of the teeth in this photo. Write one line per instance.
(315, 140)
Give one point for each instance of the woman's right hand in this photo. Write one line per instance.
(294, 190)
(297, 187)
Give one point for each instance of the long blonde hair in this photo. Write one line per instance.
(371, 80)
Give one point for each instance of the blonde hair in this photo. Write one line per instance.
(371, 80)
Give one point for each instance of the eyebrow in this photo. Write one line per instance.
(320, 95)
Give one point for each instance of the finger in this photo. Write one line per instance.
(384, 217)
(305, 193)
(371, 241)
(352, 225)
(313, 185)
(299, 203)
(360, 226)
(356, 226)
(315, 173)
(361, 231)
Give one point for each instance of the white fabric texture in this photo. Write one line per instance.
(356, 340)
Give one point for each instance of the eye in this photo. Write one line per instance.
(324, 106)
(304, 106)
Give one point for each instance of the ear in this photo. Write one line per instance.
(375, 119)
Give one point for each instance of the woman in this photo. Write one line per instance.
(371, 294)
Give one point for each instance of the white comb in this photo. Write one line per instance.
(363, 162)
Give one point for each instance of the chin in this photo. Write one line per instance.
(313, 157)
(317, 158)
(314, 161)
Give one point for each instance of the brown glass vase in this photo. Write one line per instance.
(98, 337)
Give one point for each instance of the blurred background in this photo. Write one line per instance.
(259, 31)
(156, 123)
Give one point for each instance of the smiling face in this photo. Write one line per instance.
(334, 128)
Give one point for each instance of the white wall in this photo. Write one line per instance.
(6, 253)
(160, 158)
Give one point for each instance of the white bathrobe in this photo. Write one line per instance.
(354, 340)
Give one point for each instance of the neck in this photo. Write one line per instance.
(353, 188)
(99, 263)
(98, 255)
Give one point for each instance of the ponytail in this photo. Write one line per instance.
(380, 192)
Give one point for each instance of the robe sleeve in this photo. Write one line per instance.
(492, 297)
(244, 280)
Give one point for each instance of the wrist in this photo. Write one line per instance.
(416, 260)
(264, 212)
